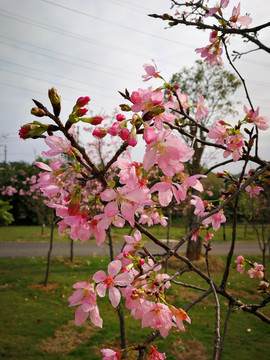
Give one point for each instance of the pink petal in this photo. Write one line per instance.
(108, 195)
(95, 317)
(99, 276)
(80, 316)
(123, 279)
(111, 209)
(42, 166)
(101, 289)
(114, 267)
(115, 296)
(165, 197)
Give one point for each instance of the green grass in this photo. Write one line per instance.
(33, 233)
(29, 314)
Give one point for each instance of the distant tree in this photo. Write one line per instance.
(217, 86)
(5, 216)
(17, 179)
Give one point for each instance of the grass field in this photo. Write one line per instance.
(36, 323)
(33, 233)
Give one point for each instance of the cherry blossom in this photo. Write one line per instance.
(201, 109)
(151, 71)
(58, 146)
(257, 271)
(243, 20)
(240, 261)
(166, 152)
(253, 117)
(109, 354)
(215, 219)
(111, 281)
(153, 354)
(84, 296)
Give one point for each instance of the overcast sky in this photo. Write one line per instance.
(96, 48)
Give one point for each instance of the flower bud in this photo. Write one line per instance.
(100, 132)
(94, 120)
(125, 107)
(132, 139)
(114, 129)
(38, 112)
(120, 117)
(81, 112)
(55, 100)
(124, 134)
(82, 101)
(32, 130)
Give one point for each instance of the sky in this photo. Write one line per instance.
(97, 48)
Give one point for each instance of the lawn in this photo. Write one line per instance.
(33, 233)
(36, 323)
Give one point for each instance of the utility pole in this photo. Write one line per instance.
(5, 152)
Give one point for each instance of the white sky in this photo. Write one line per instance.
(95, 48)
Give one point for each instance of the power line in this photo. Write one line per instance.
(56, 84)
(66, 61)
(116, 24)
(66, 33)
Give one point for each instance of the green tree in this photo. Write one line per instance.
(218, 86)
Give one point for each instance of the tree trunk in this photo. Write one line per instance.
(71, 250)
(50, 249)
(194, 248)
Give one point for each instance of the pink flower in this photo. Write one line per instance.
(208, 236)
(256, 272)
(240, 261)
(253, 189)
(201, 109)
(179, 316)
(111, 281)
(151, 71)
(235, 144)
(218, 132)
(243, 20)
(253, 117)
(166, 152)
(57, 145)
(199, 205)
(154, 354)
(158, 317)
(109, 354)
(145, 100)
(212, 53)
(84, 295)
(215, 219)
(166, 190)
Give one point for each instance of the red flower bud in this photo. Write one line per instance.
(120, 117)
(100, 132)
(124, 134)
(32, 130)
(82, 101)
(81, 112)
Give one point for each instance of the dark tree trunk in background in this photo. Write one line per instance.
(50, 249)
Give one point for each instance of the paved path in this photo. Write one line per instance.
(39, 249)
